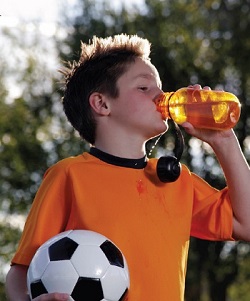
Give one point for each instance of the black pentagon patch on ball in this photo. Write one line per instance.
(112, 253)
(37, 288)
(62, 249)
(90, 288)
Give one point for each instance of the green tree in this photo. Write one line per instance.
(239, 290)
(204, 42)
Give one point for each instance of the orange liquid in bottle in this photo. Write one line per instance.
(208, 109)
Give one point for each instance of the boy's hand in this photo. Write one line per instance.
(212, 137)
(52, 297)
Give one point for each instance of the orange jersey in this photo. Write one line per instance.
(150, 221)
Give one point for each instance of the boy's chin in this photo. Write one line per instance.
(164, 128)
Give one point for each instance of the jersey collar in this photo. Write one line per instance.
(118, 161)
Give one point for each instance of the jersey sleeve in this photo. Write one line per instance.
(212, 216)
(48, 214)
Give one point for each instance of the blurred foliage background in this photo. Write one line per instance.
(205, 42)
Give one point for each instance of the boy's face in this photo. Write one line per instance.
(134, 110)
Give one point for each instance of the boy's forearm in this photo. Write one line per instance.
(16, 287)
(237, 175)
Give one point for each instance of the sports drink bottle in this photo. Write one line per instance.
(217, 110)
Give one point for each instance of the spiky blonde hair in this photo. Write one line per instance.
(102, 47)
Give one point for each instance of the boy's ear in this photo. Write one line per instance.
(99, 104)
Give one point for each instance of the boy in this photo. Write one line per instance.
(114, 189)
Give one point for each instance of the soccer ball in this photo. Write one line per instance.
(84, 264)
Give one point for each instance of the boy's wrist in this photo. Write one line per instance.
(223, 140)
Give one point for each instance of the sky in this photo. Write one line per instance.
(44, 10)
(33, 15)
(47, 10)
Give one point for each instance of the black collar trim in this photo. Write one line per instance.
(118, 161)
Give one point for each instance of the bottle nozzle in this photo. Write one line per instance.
(161, 102)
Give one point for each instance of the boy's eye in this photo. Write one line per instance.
(143, 88)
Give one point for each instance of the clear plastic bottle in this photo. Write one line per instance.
(208, 109)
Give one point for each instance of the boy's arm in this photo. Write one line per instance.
(237, 174)
(16, 287)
